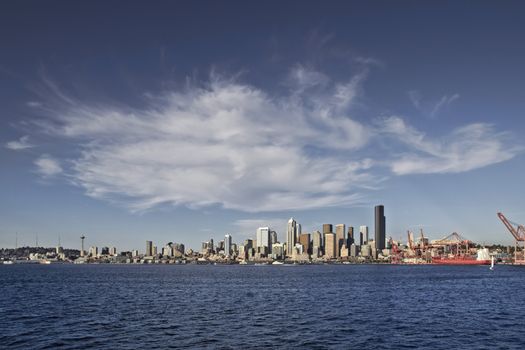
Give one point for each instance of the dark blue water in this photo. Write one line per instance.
(237, 307)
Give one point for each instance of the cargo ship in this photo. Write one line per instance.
(482, 258)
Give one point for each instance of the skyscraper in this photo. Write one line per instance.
(327, 228)
(227, 245)
(350, 236)
(339, 238)
(263, 238)
(273, 237)
(304, 239)
(330, 246)
(363, 235)
(149, 248)
(380, 229)
(291, 236)
(317, 243)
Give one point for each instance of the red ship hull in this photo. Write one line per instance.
(459, 261)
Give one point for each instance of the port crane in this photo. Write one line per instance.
(518, 232)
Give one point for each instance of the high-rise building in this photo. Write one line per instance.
(248, 243)
(273, 237)
(298, 232)
(304, 240)
(167, 251)
(149, 248)
(350, 236)
(380, 227)
(104, 251)
(263, 238)
(227, 245)
(277, 251)
(82, 252)
(291, 236)
(93, 251)
(113, 251)
(327, 228)
(154, 250)
(317, 243)
(363, 235)
(329, 245)
(339, 238)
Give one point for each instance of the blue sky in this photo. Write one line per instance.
(183, 121)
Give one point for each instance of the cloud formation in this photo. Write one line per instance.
(234, 145)
(48, 166)
(20, 144)
(465, 148)
(430, 109)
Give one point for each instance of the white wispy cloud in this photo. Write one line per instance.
(48, 166)
(225, 143)
(442, 103)
(465, 148)
(20, 144)
(431, 109)
(237, 146)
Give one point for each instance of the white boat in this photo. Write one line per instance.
(277, 263)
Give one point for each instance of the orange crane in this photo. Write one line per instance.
(410, 240)
(518, 232)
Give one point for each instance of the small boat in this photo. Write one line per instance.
(277, 263)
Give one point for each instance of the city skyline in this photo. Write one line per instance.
(182, 124)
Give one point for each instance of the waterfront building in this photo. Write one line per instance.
(242, 252)
(167, 251)
(93, 251)
(363, 235)
(104, 251)
(273, 237)
(344, 251)
(304, 240)
(134, 253)
(354, 250)
(380, 227)
(291, 236)
(248, 243)
(327, 228)
(227, 245)
(263, 237)
(317, 242)
(277, 251)
(330, 246)
(113, 251)
(204, 248)
(149, 248)
(350, 236)
(339, 238)
(154, 251)
(366, 250)
(179, 249)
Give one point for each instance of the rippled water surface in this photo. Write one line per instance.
(238, 307)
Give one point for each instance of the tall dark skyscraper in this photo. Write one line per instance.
(380, 227)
